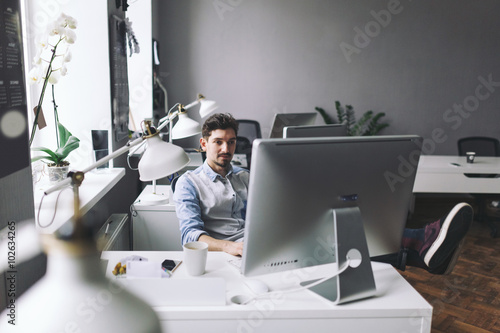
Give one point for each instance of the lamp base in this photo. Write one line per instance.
(154, 199)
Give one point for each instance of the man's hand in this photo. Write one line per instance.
(233, 248)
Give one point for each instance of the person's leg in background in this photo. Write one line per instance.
(435, 247)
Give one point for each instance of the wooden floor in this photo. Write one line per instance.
(468, 299)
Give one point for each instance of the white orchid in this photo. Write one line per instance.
(70, 36)
(64, 70)
(52, 54)
(53, 46)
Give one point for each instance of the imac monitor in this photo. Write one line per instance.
(315, 131)
(297, 184)
(281, 120)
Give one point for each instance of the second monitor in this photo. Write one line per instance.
(315, 131)
(282, 120)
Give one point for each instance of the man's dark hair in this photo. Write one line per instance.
(219, 121)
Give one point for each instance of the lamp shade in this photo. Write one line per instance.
(207, 107)
(185, 127)
(161, 159)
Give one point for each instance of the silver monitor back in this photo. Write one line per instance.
(315, 131)
(281, 120)
(296, 183)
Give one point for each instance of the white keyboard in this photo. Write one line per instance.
(235, 262)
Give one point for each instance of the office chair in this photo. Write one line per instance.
(248, 130)
(173, 183)
(244, 146)
(483, 146)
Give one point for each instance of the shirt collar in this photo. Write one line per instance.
(212, 174)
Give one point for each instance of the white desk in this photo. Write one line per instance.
(396, 308)
(93, 189)
(438, 174)
(155, 227)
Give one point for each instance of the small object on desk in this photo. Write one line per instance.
(169, 266)
(121, 266)
(195, 257)
(145, 269)
(470, 156)
(455, 164)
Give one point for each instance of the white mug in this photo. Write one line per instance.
(195, 257)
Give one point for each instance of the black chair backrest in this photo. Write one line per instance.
(173, 182)
(243, 145)
(249, 129)
(482, 146)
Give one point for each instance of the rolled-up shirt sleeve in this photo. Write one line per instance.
(187, 207)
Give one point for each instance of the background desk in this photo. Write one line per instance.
(396, 308)
(437, 174)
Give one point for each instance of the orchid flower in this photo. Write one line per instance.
(51, 57)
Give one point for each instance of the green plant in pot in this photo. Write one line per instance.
(58, 166)
(49, 65)
(368, 124)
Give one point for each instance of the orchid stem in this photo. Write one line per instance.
(56, 117)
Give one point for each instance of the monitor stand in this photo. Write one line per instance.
(357, 281)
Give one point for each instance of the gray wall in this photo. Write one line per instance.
(425, 64)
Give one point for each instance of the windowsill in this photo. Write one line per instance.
(95, 185)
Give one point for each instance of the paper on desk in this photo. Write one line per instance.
(145, 269)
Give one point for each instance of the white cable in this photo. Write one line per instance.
(310, 285)
(55, 209)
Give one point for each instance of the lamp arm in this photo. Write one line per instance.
(171, 116)
(190, 105)
(166, 120)
(100, 162)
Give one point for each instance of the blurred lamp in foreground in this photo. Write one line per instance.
(74, 295)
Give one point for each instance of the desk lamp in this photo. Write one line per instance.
(185, 126)
(151, 163)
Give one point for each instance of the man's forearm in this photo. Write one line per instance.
(234, 248)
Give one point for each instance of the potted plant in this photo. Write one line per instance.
(58, 166)
(368, 124)
(49, 65)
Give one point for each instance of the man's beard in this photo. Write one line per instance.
(225, 163)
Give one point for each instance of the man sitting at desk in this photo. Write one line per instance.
(211, 204)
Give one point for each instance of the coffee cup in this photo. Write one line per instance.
(470, 156)
(195, 257)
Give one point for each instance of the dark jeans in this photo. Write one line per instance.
(402, 258)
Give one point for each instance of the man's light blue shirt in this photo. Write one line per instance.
(208, 204)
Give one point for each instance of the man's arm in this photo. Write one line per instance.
(234, 248)
(187, 207)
